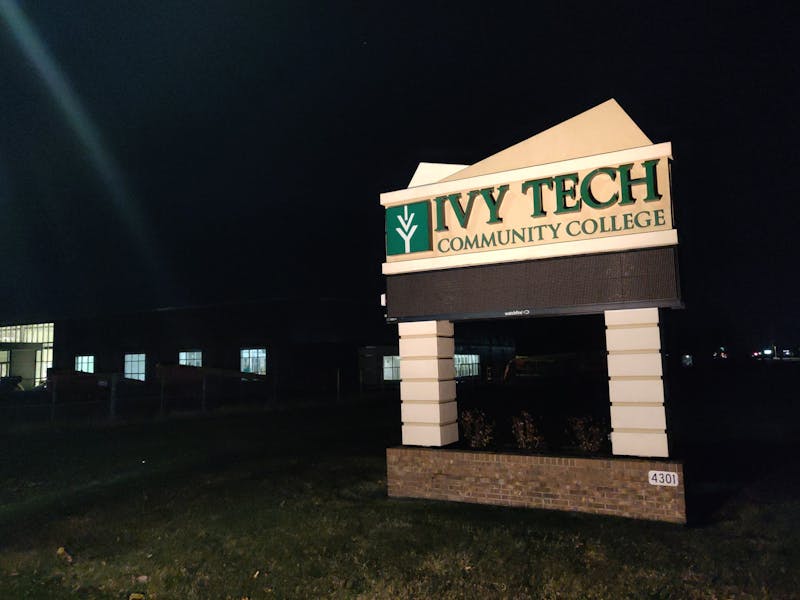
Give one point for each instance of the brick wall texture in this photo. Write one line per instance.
(609, 486)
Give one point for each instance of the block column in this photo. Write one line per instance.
(635, 384)
(427, 383)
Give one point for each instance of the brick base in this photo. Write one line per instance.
(608, 486)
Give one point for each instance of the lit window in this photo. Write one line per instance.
(5, 363)
(84, 363)
(37, 333)
(253, 360)
(191, 358)
(391, 368)
(134, 366)
(467, 365)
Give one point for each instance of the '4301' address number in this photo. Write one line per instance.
(667, 478)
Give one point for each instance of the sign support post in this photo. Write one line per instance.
(427, 383)
(635, 385)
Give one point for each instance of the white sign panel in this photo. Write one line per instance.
(662, 478)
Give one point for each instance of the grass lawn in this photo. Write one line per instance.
(293, 505)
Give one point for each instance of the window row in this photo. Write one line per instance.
(467, 365)
(251, 360)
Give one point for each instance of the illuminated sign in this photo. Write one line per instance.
(558, 209)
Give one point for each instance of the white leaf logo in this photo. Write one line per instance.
(406, 229)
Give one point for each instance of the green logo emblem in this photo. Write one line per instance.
(408, 228)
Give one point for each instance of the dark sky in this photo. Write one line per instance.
(243, 145)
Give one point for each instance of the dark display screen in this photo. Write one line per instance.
(589, 283)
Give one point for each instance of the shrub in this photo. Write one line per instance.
(587, 433)
(525, 431)
(477, 429)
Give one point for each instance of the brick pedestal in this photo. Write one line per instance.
(608, 486)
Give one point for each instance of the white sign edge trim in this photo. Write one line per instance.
(533, 172)
(614, 243)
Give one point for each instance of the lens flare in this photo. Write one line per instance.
(36, 52)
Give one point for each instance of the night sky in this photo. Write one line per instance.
(176, 153)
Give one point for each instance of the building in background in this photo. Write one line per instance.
(26, 352)
(306, 345)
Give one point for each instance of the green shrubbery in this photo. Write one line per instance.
(526, 432)
(477, 429)
(585, 434)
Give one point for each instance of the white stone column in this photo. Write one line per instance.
(427, 383)
(636, 388)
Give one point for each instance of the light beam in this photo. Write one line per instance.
(34, 49)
